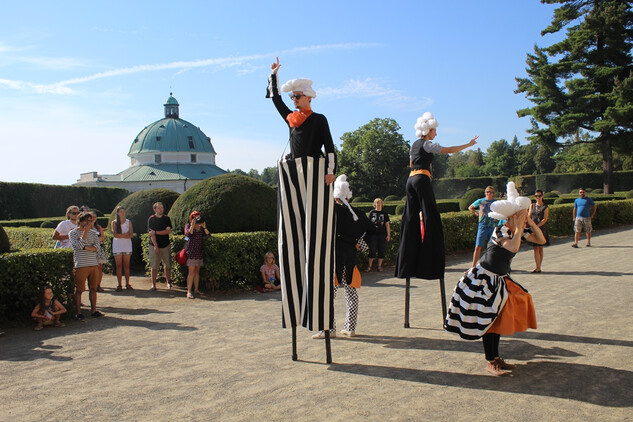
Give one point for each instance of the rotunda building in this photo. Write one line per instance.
(170, 153)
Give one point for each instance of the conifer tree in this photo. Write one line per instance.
(584, 83)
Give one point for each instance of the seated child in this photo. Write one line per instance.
(270, 274)
(49, 310)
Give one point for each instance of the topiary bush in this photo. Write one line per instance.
(360, 199)
(597, 191)
(550, 195)
(229, 203)
(469, 197)
(5, 245)
(48, 224)
(629, 194)
(391, 198)
(400, 209)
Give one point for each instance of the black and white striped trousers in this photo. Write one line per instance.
(306, 243)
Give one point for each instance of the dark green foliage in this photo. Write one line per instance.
(629, 194)
(391, 198)
(30, 238)
(231, 259)
(229, 203)
(594, 191)
(359, 199)
(375, 158)
(48, 224)
(400, 209)
(32, 200)
(138, 207)
(5, 245)
(23, 273)
(584, 83)
(550, 195)
(622, 180)
(471, 196)
(457, 187)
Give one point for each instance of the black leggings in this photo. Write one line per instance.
(491, 345)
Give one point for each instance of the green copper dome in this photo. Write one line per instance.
(171, 134)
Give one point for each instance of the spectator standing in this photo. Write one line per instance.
(584, 210)
(539, 213)
(480, 208)
(101, 255)
(60, 235)
(122, 234)
(159, 227)
(85, 242)
(382, 234)
(195, 231)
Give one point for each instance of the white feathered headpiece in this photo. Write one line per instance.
(424, 124)
(343, 192)
(301, 84)
(501, 210)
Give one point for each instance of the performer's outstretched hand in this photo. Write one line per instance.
(275, 66)
(470, 144)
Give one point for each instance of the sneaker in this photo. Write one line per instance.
(97, 314)
(80, 317)
(503, 364)
(348, 333)
(574, 245)
(494, 369)
(321, 334)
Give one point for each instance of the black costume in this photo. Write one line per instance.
(417, 257)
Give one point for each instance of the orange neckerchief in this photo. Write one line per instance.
(296, 118)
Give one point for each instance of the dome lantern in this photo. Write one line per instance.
(171, 108)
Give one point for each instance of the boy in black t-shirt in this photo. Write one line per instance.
(159, 227)
(382, 235)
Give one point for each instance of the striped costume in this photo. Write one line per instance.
(487, 300)
(306, 220)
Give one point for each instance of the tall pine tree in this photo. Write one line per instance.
(584, 83)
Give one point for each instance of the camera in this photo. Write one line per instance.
(199, 219)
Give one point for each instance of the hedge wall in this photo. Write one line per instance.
(567, 182)
(32, 200)
(47, 222)
(23, 273)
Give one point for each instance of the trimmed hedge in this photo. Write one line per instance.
(23, 273)
(471, 196)
(5, 245)
(570, 182)
(47, 222)
(32, 200)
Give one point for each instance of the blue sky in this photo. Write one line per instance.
(79, 80)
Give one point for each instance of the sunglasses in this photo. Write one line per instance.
(74, 212)
(296, 96)
(537, 196)
(489, 191)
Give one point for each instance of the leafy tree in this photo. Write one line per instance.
(269, 176)
(239, 171)
(584, 83)
(375, 158)
(500, 159)
(254, 174)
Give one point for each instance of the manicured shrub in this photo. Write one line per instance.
(356, 199)
(597, 191)
(391, 198)
(629, 194)
(559, 201)
(48, 224)
(5, 245)
(469, 197)
(550, 195)
(23, 273)
(229, 203)
(400, 209)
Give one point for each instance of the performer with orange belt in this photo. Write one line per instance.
(486, 302)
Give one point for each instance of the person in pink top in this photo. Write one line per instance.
(270, 274)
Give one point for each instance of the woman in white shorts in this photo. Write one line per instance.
(122, 233)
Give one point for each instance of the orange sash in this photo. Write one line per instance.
(420, 171)
(296, 118)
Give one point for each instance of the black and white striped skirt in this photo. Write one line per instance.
(477, 300)
(306, 243)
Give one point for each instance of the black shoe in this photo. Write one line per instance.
(97, 314)
(80, 317)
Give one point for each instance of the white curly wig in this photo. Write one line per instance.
(425, 123)
(343, 192)
(501, 210)
(301, 84)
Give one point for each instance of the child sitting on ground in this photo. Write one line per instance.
(49, 310)
(270, 274)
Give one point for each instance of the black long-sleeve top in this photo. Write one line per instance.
(308, 139)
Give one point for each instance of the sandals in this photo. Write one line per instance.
(152, 289)
(119, 288)
(60, 324)
(129, 287)
(100, 289)
(190, 296)
(38, 327)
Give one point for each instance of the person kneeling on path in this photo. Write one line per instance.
(351, 226)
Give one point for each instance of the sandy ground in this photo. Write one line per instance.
(158, 356)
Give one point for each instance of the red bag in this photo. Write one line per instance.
(181, 257)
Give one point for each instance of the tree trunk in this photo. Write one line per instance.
(607, 164)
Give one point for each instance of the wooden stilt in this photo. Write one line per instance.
(407, 296)
(328, 347)
(443, 298)
(294, 343)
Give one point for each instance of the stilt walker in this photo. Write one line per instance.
(421, 252)
(305, 213)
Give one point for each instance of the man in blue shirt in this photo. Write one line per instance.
(584, 210)
(480, 208)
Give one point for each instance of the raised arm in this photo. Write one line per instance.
(450, 150)
(273, 91)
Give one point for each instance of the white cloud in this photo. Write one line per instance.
(372, 88)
